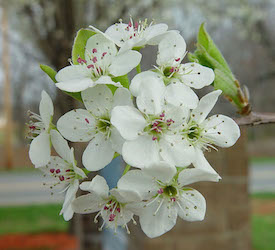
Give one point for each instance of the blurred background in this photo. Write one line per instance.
(241, 208)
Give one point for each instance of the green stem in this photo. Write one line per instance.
(127, 168)
(138, 68)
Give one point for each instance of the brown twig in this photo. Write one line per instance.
(255, 118)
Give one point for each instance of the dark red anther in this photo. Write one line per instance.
(94, 50)
(94, 59)
(118, 209)
(32, 127)
(87, 120)
(90, 66)
(177, 59)
(112, 217)
(136, 25)
(61, 178)
(57, 171)
(52, 170)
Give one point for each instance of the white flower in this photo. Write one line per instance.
(202, 132)
(110, 205)
(94, 125)
(100, 64)
(151, 131)
(65, 171)
(131, 35)
(176, 93)
(166, 196)
(172, 50)
(40, 147)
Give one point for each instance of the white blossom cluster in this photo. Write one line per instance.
(158, 125)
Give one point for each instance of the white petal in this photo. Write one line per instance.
(137, 180)
(124, 62)
(141, 151)
(55, 163)
(192, 206)
(96, 46)
(76, 169)
(138, 79)
(60, 145)
(117, 140)
(73, 72)
(40, 150)
(221, 130)
(98, 185)
(98, 100)
(46, 109)
(68, 213)
(162, 171)
(158, 38)
(178, 94)
(128, 121)
(162, 222)
(171, 50)
(75, 85)
(205, 105)
(116, 32)
(155, 30)
(70, 195)
(151, 95)
(196, 76)
(178, 114)
(77, 125)
(122, 97)
(107, 80)
(125, 196)
(98, 153)
(202, 171)
(87, 204)
(176, 151)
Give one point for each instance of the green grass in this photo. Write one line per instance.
(32, 219)
(263, 196)
(263, 160)
(263, 232)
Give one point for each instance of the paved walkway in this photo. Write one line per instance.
(27, 187)
(262, 177)
(19, 188)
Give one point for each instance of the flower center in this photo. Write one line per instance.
(170, 191)
(158, 125)
(170, 71)
(103, 125)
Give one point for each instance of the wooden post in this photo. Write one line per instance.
(7, 91)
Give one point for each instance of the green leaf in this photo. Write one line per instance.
(123, 80)
(51, 73)
(205, 41)
(80, 43)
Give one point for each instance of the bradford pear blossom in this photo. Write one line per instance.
(166, 196)
(40, 127)
(64, 170)
(151, 131)
(100, 64)
(94, 125)
(134, 34)
(171, 51)
(110, 205)
(175, 93)
(202, 133)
